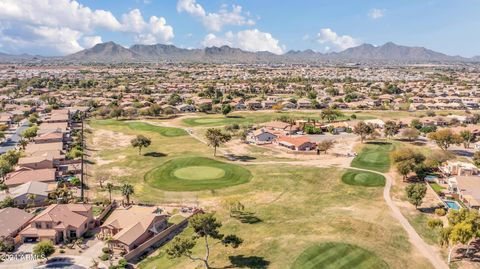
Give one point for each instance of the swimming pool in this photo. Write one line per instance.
(452, 205)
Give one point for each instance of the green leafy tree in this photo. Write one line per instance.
(226, 109)
(467, 137)
(330, 114)
(44, 249)
(5, 168)
(140, 142)
(363, 130)
(206, 227)
(216, 138)
(127, 190)
(390, 128)
(444, 138)
(30, 133)
(415, 193)
(7, 244)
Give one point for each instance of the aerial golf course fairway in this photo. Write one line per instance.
(338, 256)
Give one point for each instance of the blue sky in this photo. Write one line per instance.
(58, 27)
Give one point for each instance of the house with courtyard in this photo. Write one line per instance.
(131, 226)
(467, 188)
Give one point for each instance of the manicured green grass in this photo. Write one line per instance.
(243, 118)
(142, 126)
(196, 173)
(338, 256)
(419, 222)
(360, 178)
(374, 156)
(437, 188)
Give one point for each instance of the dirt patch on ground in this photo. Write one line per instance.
(104, 139)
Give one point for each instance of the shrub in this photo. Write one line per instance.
(104, 257)
(106, 250)
(61, 251)
(440, 211)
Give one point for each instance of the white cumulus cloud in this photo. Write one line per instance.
(334, 41)
(215, 21)
(32, 24)
(376, 13)
(249, 40)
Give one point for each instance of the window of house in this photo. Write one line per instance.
(38, 225)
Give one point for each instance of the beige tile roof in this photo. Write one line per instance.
(12, 219)
(24, 176)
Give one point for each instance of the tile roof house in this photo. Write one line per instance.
(132, 226)
(299, 143)
(59, 222)
(19, 177)
(20, 194)
(36, 162)
(12, 221)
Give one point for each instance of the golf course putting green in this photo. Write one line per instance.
(338, 256)
(195, 174)
(361, 178)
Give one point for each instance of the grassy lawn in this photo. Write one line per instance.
(374, 156)
(196, 173)
(296, 207)
(243, 118)
(333, 255)
(142, 126)
(437, 188)
(419, 222)
(360, 178)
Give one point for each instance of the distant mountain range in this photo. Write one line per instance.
(111, 52)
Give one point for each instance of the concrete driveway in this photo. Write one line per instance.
(11, 141)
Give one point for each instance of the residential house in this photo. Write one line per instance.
(459, 169)
(467, 188)
(59, 222)
(131, 226)
(24, 175)
(21, 194)
(299, 143)
(304, 104)
(263, 136)
(12, 221)
(185, 108)
(37, 162)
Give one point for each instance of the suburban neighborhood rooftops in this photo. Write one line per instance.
(12, 219)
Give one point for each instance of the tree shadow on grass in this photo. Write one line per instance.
(246, 217)
(155, 154)
(378, 143)
(241, 261)
(234, 117)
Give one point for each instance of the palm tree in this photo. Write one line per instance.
(23, 143)
(110, 189)
(31, 197)
(127, 190)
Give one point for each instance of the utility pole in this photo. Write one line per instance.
(81, 164)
